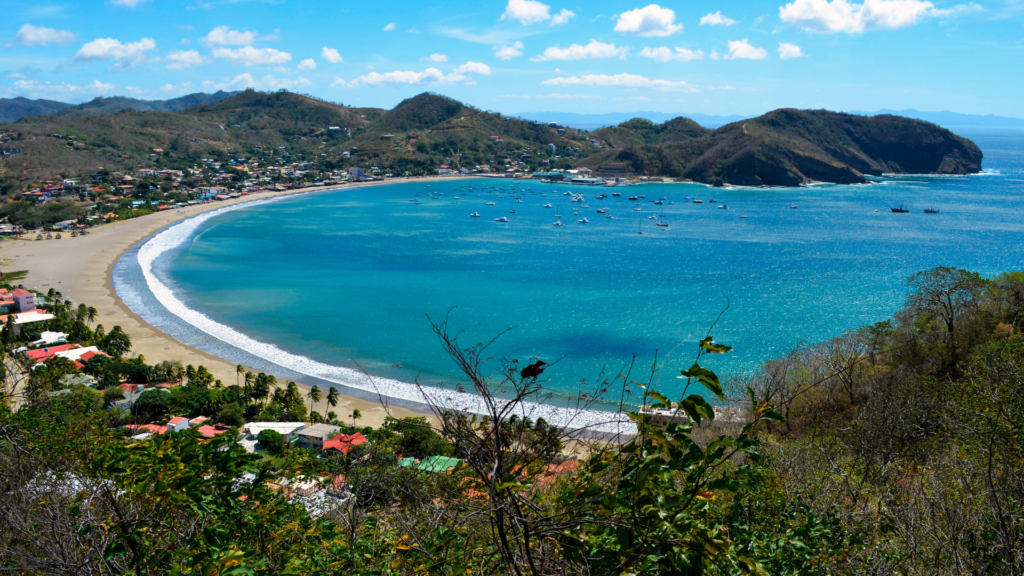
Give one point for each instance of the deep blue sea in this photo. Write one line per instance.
(348, 278)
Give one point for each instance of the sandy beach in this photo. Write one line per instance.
(80, 269)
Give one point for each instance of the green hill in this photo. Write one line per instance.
(782, 148)
(13, 108)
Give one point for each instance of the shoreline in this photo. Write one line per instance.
(82, 270)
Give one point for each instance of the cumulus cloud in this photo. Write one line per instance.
(562, 17)
(843, 16)
(744, 50)
(127, 3)
(787, 51)
(60, 90)
(225, 36)
(526, 11)
(651, 20)
(246, 80)
(577, 52)
(717, 19)
(390, 27)
(331, 55)
(401, 78)
(29, 35)
(176, 89)
(307, 64)
(436, 57)
(249, 56)
(473, 68)
(25, 73)
(622, 81)
(665, 54)
(183, 59)
(509, 52)
(125, 55)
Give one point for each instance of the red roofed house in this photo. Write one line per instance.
(151, 428)
(343, 442)
(177, 424)
(211, 431)
(26, 300)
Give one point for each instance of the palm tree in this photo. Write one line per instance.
(81, 313)
(239, 372)
(356, 415)
(314, 397)
(332, 397)
(91, 316)
(292, 395)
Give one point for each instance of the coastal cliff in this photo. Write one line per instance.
(790, 147)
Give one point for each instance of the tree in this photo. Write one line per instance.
(314, 397)
(117, 343)
(948, 294)
(332, 398)
(231, 415)
(356, 415)
(271, 441)
(152, 405)
(239, 372)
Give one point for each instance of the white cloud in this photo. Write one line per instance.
(526, 11)
(844, 16)
(509, 52)
(714, 55)
(29, 35)
(60, 91)
(436, 57)
(331, 55)
(225, 36)
(246, 80)
(249, 56)
(307, 64)
(127, 3)
(651, 20)
(179, 89)
(570, 97)
(665, 54)
(503, 96)
(126, 55)
(562, 17)
(183, 59)
(620, 80)
(400, 78)
(717, 19)
(390, 27)
(473, 68)
(787, 51)
(743, 50)
(577, 52)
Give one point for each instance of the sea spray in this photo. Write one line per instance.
(182, 232)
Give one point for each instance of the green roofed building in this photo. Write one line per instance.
(431, 464)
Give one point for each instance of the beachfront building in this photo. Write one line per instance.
(26, 300)
(342, 443)
(317, 434)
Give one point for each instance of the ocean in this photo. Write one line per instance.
(341, 286)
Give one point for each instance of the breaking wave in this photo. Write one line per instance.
(178, 234)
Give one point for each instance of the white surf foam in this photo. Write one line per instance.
(176, 235)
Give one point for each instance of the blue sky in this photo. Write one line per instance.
(734, 57)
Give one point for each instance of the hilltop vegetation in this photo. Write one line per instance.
(785, 147)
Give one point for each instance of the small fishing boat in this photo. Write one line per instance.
(698, 201)
(723, 207)
(930, 211)
(616, 193)
(558, 222)
(490, 203)
(900, 210)
(602, 210)
(475, 215)
(637, 209)
(793, 207)
(744, 217)
(511, 211)
(584, 220)
(501, 219)
(632, 197)
(663, 224)
(712, 200)
(548, 205)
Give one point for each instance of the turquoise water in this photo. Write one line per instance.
(348, 278)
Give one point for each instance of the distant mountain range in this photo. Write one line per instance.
(12, 109)
(595, 121)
